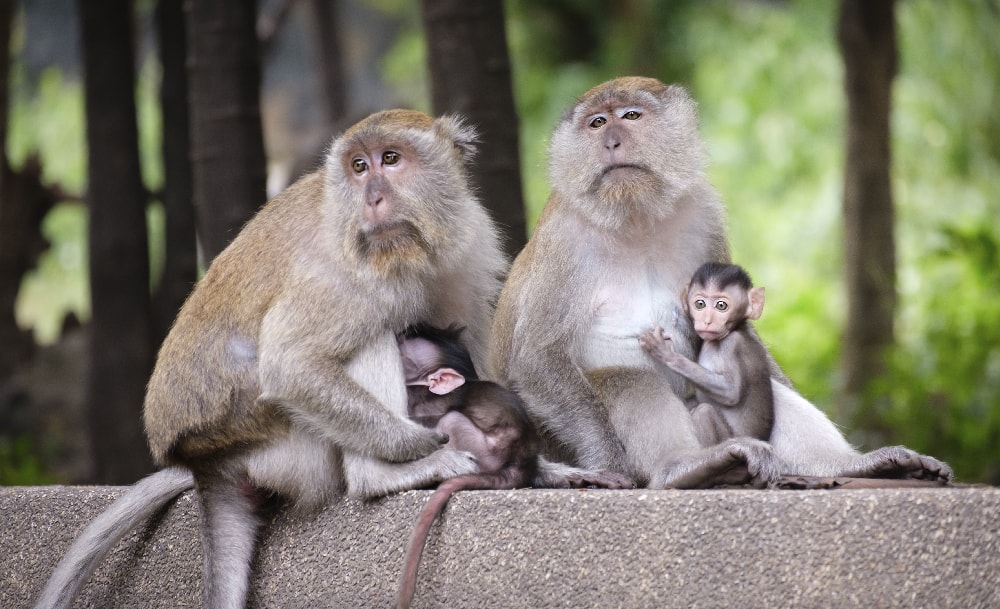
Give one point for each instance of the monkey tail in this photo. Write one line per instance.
(415, 548)
(141, 501)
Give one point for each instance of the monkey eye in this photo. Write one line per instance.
(390, 157)
(598, 122)
(699, 304)
(359, 165)
(632, 115)
(722, 305)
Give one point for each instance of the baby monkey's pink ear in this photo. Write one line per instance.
(444, 380)
(756, 305)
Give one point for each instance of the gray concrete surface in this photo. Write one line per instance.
(910, 548)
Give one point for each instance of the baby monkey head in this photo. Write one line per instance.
(720, 298)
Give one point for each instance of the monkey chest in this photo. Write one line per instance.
(622, 307)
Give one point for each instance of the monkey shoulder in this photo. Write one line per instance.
(749, 348)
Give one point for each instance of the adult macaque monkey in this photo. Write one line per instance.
(732, 377)
(630, 218)
(283, 363)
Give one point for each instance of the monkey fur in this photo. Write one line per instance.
(281, 375)
(732, 379)
(630, 217)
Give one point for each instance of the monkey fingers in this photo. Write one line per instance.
(451, 462)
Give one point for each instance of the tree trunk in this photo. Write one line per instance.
(866, 32)
(120, 349)
(331, 61)
(227, 138)
(15, 227)
(180, 268)
(470, 74)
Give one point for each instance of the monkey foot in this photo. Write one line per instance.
(799, 483)
(600, 479)
(900, 462)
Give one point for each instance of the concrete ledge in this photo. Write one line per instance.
(537, 548)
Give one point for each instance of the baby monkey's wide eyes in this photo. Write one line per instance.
(390, 157)
(699, 304)
(722, 305)
(359, 165)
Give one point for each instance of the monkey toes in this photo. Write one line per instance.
(600, 479)
(901, 462)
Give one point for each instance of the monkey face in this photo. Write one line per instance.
(717, 311)
(626, 150)
(402, 191)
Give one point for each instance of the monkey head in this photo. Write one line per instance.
(397, 189)
(626, 151)
(435, 357)
(720, 298)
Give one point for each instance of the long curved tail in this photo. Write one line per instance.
(141, 501)
(415, 548)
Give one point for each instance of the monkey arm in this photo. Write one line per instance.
(346, 387)
(535, 342)
(725, 388)
(369, 478)
(562, 400)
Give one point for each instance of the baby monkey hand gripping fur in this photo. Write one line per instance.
(271, 382)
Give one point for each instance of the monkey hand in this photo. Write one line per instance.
(450, 462)
(416, 443)
(656, 341)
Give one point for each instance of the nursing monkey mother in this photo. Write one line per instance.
(282, 374)
(630, 218)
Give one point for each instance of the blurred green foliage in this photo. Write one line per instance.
(768, 79)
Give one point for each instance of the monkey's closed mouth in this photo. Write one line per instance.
(611, 168)
(392, 230)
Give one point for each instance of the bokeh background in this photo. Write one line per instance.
(769, 80)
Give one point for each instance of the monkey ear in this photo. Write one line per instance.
(756, 305)
(684, 300)
(461, 134)
(444, 380)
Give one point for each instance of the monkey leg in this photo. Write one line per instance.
(710, 426)
(807, 443)
(735, 461)
(652, 423)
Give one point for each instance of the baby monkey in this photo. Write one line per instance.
(732, 379)
(480, 417)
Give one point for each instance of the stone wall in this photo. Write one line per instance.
(911, 548)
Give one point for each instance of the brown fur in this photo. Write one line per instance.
(282, 374)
